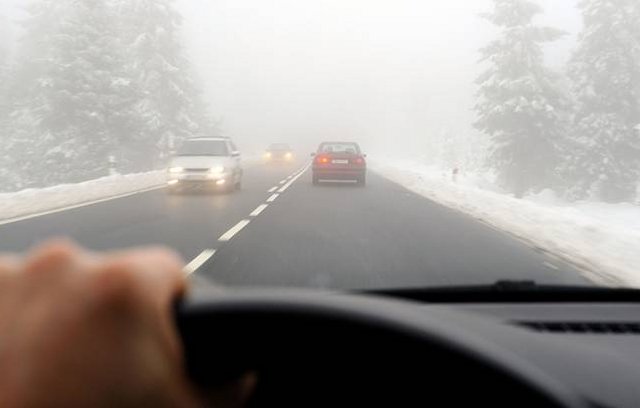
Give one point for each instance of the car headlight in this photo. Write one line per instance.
(216, 170)
(176, 169)
(288, 155)
(267, 155)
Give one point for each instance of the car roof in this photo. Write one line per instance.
(339, 142)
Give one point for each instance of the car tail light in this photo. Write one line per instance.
(358, 160)
(322, 159)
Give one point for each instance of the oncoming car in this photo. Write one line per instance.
(339, 161)
(278, 152)
(212, 163)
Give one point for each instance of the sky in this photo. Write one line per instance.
(392, 74)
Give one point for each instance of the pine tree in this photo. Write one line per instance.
(605, 70)
(7, 176)
(4, 46)
(73, 98)
(98, 80)
(520, 105)
(19, 127)
(4, 67)
(171, 107)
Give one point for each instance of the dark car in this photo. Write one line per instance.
(279, 152)
(339, 161)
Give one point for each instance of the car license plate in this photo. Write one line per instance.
(340, 161)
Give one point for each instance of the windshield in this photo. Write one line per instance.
(349, 148)
(369, 144)
(279, 147)
(204, 148)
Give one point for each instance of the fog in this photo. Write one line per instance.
(508, 88)
(391, 74)
(374, 71)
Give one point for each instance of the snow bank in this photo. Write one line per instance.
(602, 239)
(34, 201)
(24, 203)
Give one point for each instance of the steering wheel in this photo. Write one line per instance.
(326, 349)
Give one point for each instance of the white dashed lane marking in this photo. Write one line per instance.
(258, 210)
(550, 265)
(198, 261)
(234, 230)
(227, 236)
(295, 177)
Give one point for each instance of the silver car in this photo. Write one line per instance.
(212, 163)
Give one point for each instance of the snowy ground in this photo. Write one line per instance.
(34, 201)
(603, 239)
(17, 205)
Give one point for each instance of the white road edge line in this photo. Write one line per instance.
(258, 210)
(550, 265)
(234, 230)
(272, 189)
(198, 261)
(79, 205)
(282, 181)
(272, 198)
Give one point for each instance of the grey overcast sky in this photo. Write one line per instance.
(370, 70)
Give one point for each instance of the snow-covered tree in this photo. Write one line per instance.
(4, 64)
(97, 80)
(7, 176)
(4, 46)
(605, 70)
(171, 106)
(520, 104)
(73, 97)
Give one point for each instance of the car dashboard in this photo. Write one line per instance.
(319, 349)
(593, 349)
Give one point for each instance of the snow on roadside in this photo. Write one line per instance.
(33, 201)
(16, 205)
(602, 239)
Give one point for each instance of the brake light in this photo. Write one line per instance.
(322, 159)
(359, 160)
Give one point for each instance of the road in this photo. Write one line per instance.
(280, 230)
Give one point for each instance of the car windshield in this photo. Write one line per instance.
(204, 148)
(279, 147)
(361, 144)
(348, 148)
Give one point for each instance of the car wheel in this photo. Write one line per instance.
(362, 180)
(315, 180)
(238, 185)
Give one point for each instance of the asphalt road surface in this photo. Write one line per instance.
(280, 230)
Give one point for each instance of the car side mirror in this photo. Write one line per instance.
(364, 155)
(313, 154)
(235, 154)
